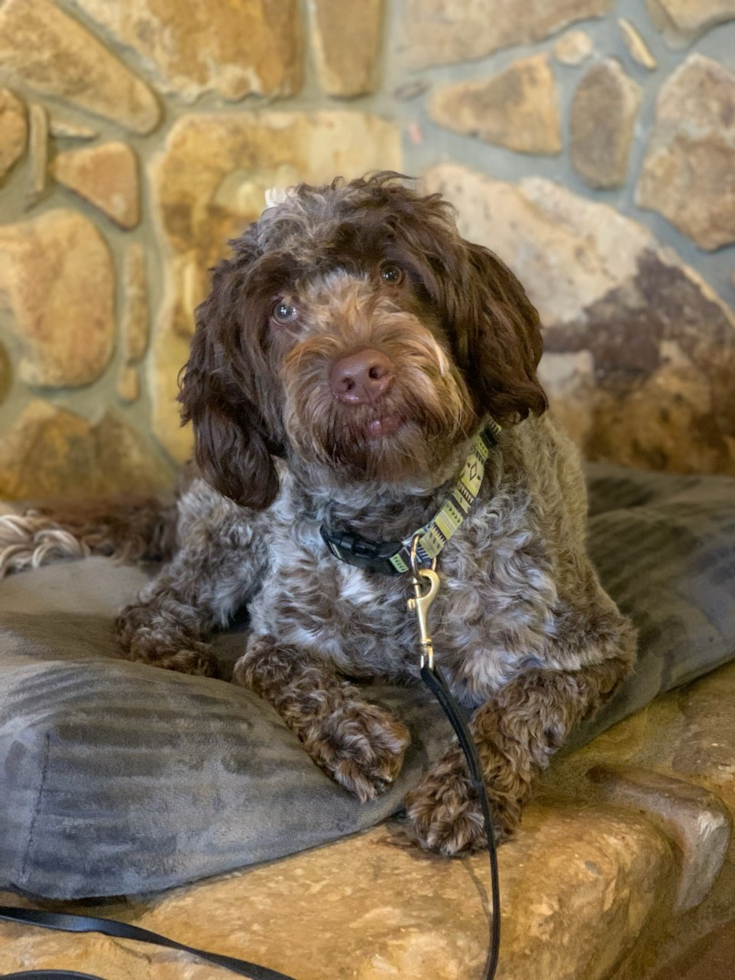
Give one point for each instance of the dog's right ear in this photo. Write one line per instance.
(231, 443)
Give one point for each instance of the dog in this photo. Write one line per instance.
(351, 352)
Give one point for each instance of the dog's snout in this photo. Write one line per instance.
(361, 378)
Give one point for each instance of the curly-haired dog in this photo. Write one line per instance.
(347, 355)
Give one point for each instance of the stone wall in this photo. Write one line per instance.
(591, 144)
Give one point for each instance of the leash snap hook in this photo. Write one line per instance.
(421, 601)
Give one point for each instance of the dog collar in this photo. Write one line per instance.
(392, 557)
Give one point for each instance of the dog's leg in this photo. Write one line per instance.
(360, 745)
(516, 731)
(218, 564)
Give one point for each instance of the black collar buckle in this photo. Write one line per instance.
(371, 556)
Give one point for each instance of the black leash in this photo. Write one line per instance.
(435, 681)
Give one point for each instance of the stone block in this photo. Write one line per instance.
(55, 56)
(603, 116)
(657, 387)
(58, 281)
(517, 109)
(695, 819)
(346, 39)
(105, 175)
(13, 131)
(688, 170)
(231, 49)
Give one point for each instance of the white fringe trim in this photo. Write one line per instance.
(30, 540)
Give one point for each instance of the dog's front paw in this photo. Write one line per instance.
(360, 746)
(446, 815)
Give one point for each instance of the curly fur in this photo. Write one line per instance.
(522, 627)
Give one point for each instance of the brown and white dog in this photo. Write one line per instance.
(348, 353)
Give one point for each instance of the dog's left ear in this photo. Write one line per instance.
(498, 337)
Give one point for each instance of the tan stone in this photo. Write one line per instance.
(50, 451)
(128, 383)
(441, 32)
(62, 129)
(682, 21)
(233, 49)
(346, 39)
(57, 279)
(6, 374)
(106, 176)
(603, 115)
(688, 170)
(13, 131)
(637, 47)
(697, 820)
(54, 55)
(517, 108)
(573, 48)
(209, 182)
(38, 147)
(655, 384)
(578, 887)
(135, 288)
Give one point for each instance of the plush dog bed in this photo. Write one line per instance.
(118, 778)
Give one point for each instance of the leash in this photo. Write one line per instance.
(388, 558)
(436, 682)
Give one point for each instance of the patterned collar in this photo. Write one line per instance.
(392, 557)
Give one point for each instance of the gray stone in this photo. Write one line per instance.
(441, 32)
(643, 349)
(517, 108)
(688, 170)
(603, 115)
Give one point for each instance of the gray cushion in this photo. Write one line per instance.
(118, 778)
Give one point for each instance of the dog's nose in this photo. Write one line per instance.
(361, 378)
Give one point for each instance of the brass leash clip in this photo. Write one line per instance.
(422, 600)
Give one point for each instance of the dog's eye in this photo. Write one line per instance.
(284, 312)
(391, 274)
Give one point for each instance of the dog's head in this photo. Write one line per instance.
(354, 328)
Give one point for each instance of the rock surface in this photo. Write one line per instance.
(38, 150)
(51, 452)
(585, 886)
(642, 350)
(517, 108)
(573, 48)
(135, 319)
(697, 820)
(346, 39)
(637, 47)
(603, 115)
(233, 49)
(56, 56)
(13, 131)
(682, 21)
(210, 181)
(441, 32)
(688, 170)
(105, 175)
(57, 279)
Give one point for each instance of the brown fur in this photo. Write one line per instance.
(523, 630)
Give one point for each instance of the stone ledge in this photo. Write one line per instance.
(585, 886)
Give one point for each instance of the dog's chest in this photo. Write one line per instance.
(313, 602)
